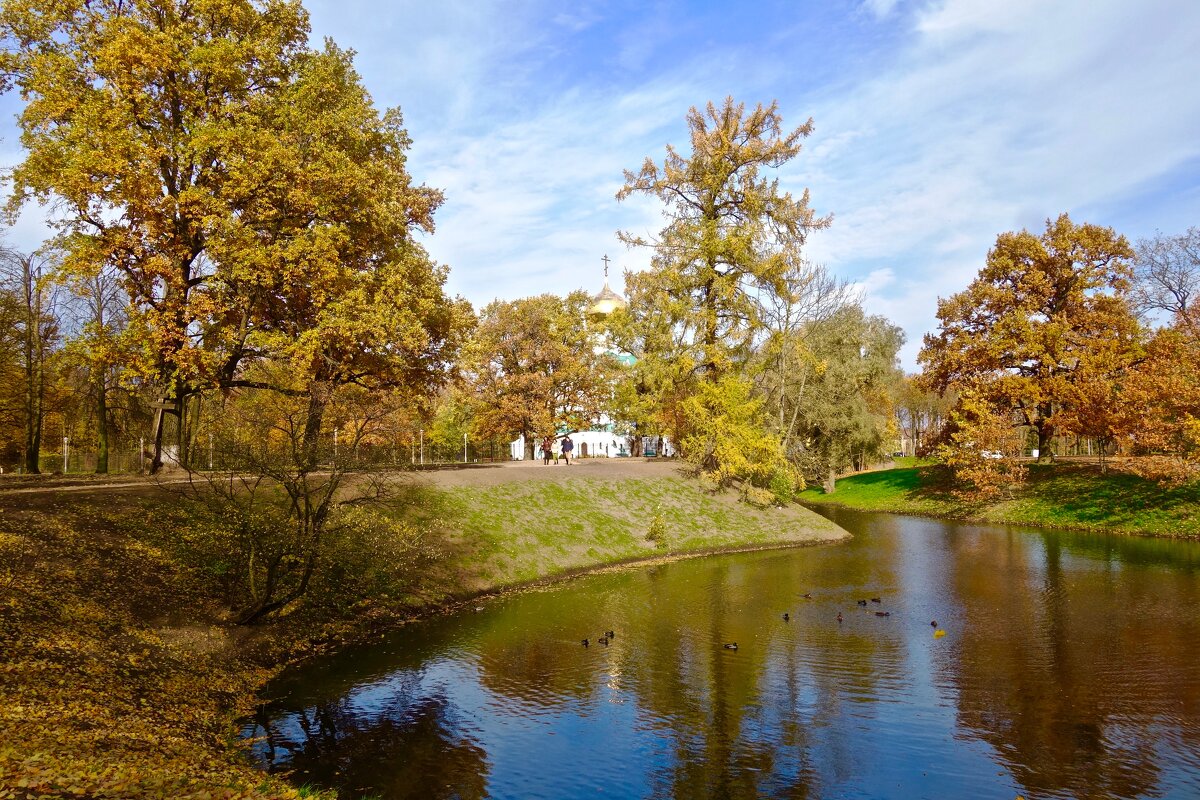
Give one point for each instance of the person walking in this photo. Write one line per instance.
(567, 448)
(547, 449)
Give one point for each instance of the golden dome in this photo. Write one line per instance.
(606, 302)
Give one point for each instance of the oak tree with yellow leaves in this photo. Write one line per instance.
(532, 369)
(255, 202)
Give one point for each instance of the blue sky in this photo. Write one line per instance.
(938, 125)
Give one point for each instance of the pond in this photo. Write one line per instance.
(1069, 667)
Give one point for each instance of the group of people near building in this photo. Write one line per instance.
(565, 448)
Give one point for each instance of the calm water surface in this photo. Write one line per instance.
(1070, 668)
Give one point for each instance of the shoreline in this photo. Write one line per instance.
(1067, 498)
(457, 604)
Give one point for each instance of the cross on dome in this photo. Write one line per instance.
(607, 301)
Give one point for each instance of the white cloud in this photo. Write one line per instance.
(880, 8)
(531, 207)
(996, 117)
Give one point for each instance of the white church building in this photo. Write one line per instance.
(601, 441)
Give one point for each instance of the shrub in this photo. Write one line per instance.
(368, 556)
(762, 498)
(784, 485)
(657, 532)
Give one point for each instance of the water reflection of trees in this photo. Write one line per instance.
(328, 742)
(1072, 674)
(738, 723)
(1060, 669)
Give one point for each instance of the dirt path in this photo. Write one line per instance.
(86, 486)
(521, 471)
(478, 475)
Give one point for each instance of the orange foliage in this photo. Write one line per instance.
(1044, 311)
(1161, 405)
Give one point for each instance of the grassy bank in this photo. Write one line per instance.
(1070, 496)
(121, 676)
(515, 533)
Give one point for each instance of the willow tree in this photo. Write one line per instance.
(731, 235)
(1045, 314)
(845, 392)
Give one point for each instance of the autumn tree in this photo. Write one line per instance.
(659, 374)
(1043, 312)
(451, 422)
(729, 439)
(730, 231)
(532, 369)
(1090, 399)
(135, 113)
(1159, 403)
(255, 202)
(731, 235)
(98, 347)
(280, 506)
(974, 445)
(785, 362)
(920, 412)
(32, 300)
(323, 268)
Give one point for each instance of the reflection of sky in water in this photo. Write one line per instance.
(1027, 694)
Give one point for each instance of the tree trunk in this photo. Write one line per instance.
(33, 418)
(156, 460)
(34, 376)
(101, 423)
(710, 325)
(311, 441)
(1045, 434)
(830, 485)
(182, 445)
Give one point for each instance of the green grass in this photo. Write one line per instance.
(913, 461)
(1057, 496)
(514, 533)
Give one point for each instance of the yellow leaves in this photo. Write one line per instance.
(533, 368)
(725, 436)
(259, 190)
(93, 702)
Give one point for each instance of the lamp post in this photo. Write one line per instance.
(422, 446)
(464, 448)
